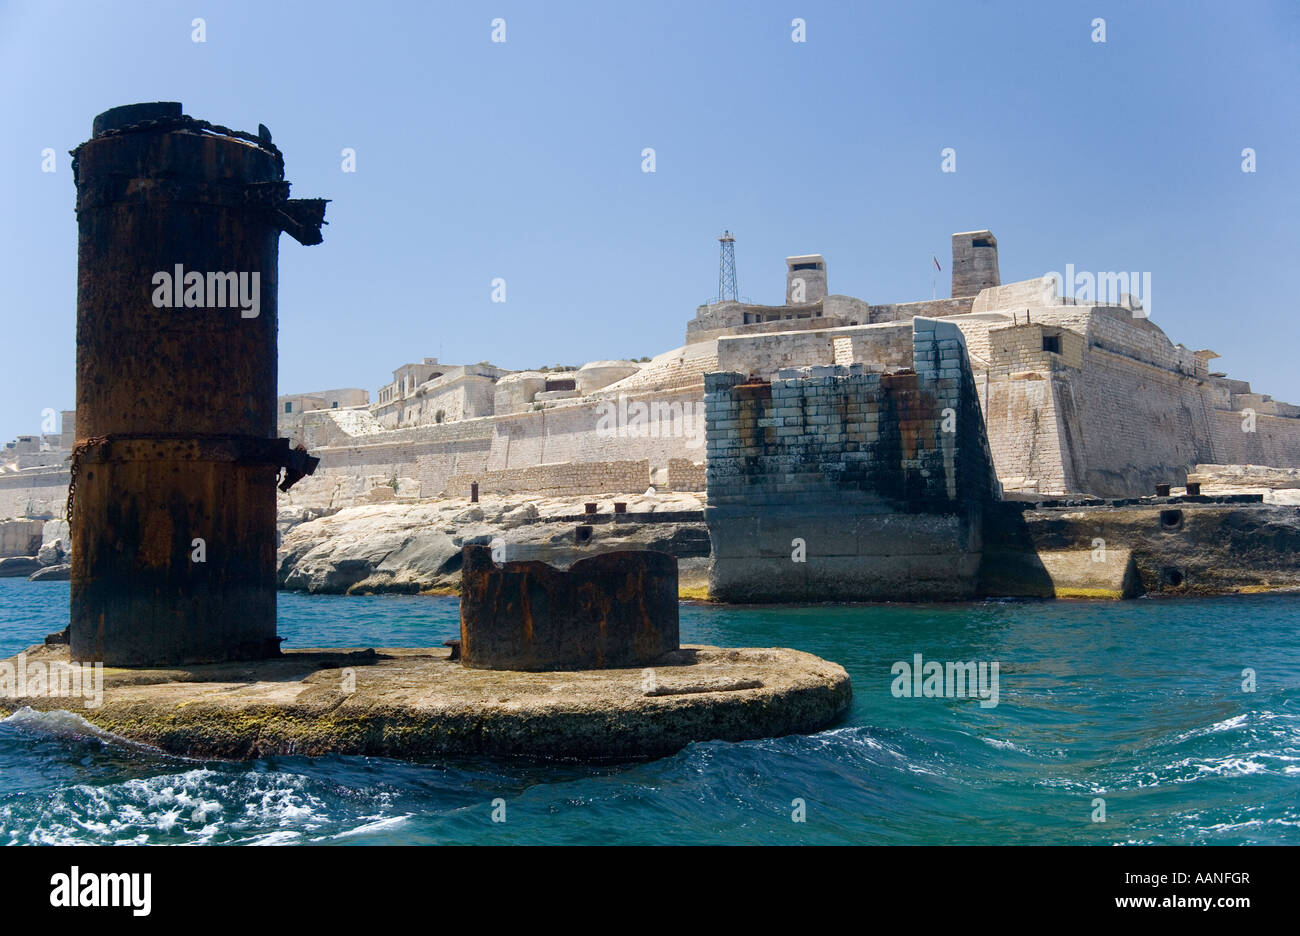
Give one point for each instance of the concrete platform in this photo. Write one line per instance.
(411, 703)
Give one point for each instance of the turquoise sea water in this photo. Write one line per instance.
(1138, 703)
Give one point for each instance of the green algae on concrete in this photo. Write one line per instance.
(410, 703)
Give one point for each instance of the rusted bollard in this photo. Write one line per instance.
(612, 610)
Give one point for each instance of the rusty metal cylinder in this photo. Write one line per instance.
(607, 611)
(174, 474)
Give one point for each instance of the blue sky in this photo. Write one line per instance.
(522, 160)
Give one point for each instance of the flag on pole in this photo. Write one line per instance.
(936, 263)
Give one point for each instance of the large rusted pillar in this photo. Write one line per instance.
(174, 473)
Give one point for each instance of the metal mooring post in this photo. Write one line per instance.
(172, 504)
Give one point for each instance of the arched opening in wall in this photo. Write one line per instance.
(439, 416)
(1171, 520)
(582, 535)
(1171, 577)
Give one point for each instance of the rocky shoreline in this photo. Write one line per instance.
(408, 548)
(50, 548)
(1228, 542)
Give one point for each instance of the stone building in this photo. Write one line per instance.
(322, 399)
(1076, 397)
(429, 393)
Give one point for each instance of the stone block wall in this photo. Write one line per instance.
(880, 347)
(569, 478)
(928, 308)
(20, 537)
(1025, 434)
(833, 483)
(1274, 441)
(1017, 297)
(39, 492)
(1116, 409)
(652, 427)
(686, 475)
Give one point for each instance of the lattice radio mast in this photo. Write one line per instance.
(727, 268)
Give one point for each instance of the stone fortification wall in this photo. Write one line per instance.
(651, 427)
(616, 477)
(1143, 411)
(809, 317)
(461, 397)
(734, 319)
(20, 537)
(1022, 388)
(1132, 425)
(1114, 407)
(1274, 441)
(686, 475)
(878, 347)
(928, 308)
(1026, 294)
(34, 493)
(832, 483)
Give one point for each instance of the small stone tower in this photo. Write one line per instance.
(805, 279)
(974, 263)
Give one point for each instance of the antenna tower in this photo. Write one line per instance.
(727, 268)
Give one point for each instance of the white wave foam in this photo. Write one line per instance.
(1002, 745)
(196, 806)
(1228, 724)
(377, 825)
(60, 723)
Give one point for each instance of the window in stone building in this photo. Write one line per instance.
(561, 385)
(288, 407)
(981, 242)
(1052, 343)
(806, 266)
(334, 405)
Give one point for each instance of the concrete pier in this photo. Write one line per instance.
(410, 703)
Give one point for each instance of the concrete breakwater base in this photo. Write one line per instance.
(413, 703)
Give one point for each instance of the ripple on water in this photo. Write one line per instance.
(1137, 703)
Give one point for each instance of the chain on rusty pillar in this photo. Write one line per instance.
(172, 506)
